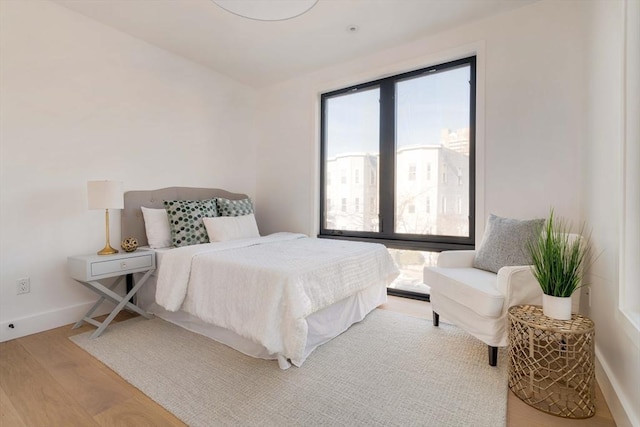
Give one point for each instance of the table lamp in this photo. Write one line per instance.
(106, 195)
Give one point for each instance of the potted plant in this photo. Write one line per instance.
(558, 260)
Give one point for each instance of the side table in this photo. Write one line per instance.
(90, 269)
(552, 362)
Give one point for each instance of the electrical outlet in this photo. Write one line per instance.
(23, 286)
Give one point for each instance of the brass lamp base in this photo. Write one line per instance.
(107, 250)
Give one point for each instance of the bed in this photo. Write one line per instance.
(273, 297)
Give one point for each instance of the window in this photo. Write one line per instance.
(344, 205)
(412, 172)
(629, 300)
(392, 129)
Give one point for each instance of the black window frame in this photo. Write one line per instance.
(387, 159)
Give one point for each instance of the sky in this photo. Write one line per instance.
(425, 105)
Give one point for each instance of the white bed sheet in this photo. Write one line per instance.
(321, 325)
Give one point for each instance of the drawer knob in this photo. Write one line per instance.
(123, 265)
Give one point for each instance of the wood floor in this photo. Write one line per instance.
(46, 380)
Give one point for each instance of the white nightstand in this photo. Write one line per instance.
(89, 269)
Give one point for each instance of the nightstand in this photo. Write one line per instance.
(90, 269)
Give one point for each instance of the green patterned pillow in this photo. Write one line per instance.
(228, 207)
(185, 220)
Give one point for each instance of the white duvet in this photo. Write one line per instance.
(264, 288)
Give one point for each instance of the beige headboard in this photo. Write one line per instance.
(132, 222)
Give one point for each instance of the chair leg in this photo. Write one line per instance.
(493, 356)
(436, 319)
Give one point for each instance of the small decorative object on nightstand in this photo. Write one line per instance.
(90, 269)
(129, 244)
(552, 363)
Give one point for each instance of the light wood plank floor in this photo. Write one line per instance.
(46, 380)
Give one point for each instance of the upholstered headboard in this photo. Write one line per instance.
(132, 222)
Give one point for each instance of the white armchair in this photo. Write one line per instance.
(477, 300)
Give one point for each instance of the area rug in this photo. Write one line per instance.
(388, 370)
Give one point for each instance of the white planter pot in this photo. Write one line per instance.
(556, 307)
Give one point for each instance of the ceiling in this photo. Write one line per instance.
(261, 53)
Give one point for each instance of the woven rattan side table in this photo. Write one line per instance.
(552, 366)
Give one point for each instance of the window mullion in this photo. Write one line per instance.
(387, 157)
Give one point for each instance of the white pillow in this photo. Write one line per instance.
(156, 224)
(223, 228)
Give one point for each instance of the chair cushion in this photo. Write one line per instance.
(505, 243)
(470, 287)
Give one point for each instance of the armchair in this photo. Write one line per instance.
(477, 300)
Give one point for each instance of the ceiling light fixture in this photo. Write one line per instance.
(267, 10)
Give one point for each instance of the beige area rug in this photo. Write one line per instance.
(388, 370)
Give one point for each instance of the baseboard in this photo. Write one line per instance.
(621, 409)
(48, 320)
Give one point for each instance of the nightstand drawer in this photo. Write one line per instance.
(96, 267)
(121, 265)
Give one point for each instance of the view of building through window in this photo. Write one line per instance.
(354, 126)
(426, 202)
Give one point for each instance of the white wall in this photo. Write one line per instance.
(617, 340)
(531, 120)
(82, 101)
(548, 123)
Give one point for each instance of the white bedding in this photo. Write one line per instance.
(263, 289)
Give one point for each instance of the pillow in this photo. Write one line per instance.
(185, 220)
(228, 207)
(505, 243)
(225, 228)
(156, 225)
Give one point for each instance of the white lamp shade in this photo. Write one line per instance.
(105, 194)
